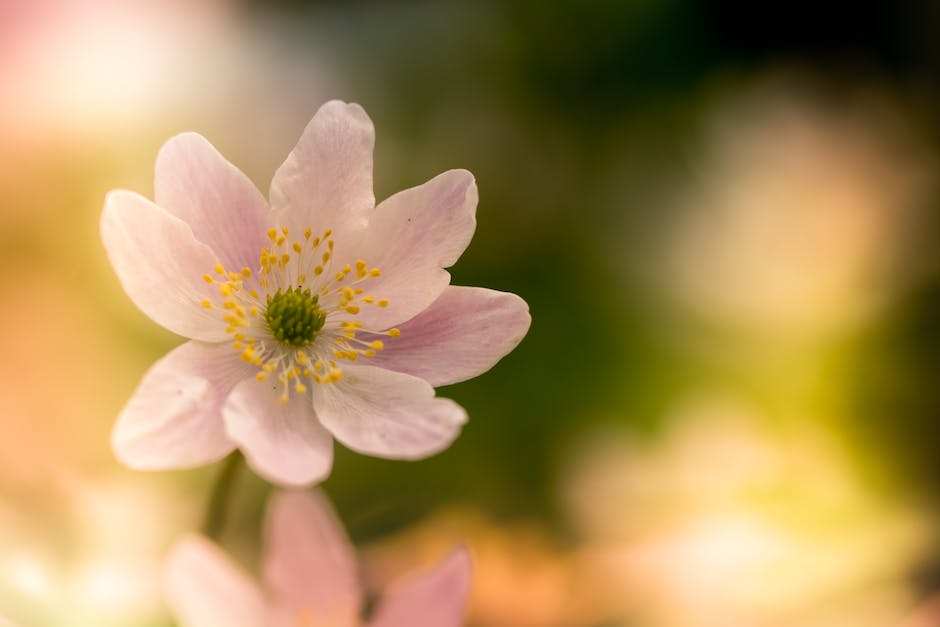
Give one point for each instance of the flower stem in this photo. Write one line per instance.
(221, 495)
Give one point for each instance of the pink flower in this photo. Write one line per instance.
(309, 579)
(322, 316)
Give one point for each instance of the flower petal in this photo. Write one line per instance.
(160, 265)
(205, 588)
(309, 563)
(283, 443)
(174, 419)
(221, 205)
(387, 414)
(461, 335)
(431, 599)
(326, 181)
(411, 237)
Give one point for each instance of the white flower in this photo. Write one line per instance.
(322, 316)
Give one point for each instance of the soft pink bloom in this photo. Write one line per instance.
(320, 316)
(309, 579)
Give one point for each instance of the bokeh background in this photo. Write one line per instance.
(724, 218)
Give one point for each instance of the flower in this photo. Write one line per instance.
(322, 316)
(309, 579)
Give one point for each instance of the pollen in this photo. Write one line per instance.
(295, 316)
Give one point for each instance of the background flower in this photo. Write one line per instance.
(309, 577)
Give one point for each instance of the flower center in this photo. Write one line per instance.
(297, 316)
(294, 316)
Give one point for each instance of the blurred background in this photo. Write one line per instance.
(723, 217)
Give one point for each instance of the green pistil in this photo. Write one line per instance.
(294, 317)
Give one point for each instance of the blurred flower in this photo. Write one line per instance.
(722, 522)
(309, 579)
(265, 329)
(804, 217)
(88, 552)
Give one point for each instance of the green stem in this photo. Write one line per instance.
(221, 495)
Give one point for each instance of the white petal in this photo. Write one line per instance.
(173, 419)
(387, 414)
(309, 563)
(160, 265)
(326, 181)
(461, 335)
(411, 237)
(283, 443)
(431, 599)
(205, 588)
(221, 205)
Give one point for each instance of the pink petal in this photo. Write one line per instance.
(461, 335)
(283, 443)
(411, 237)
(387, 414)
(326, 181)
(221, 205)
(173, 419)
(160, 265)
(205, 588)
(431, 599)
(309, 563)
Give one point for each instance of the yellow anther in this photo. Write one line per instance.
(327, 233)
(207, 304)
(369, 352)
(285, 258)
(297, 247)
(240, 336)
(375, 272)
(253, 293)
(353, 309)
(318, 365)
(280, 240)
(208, 279)
(394, 332)
(377, 344)
(234, 276)
(225, 289)
(246, 272)
(340, 276)
(272, 234)
(318, 270)
(301, 278)
(307, 233)
(382, 303)
(300, 388)
(238, 346)
(261, 376)
(283, 399)
(284, 230)
(368, 299)
(229, 304)
(336, 374)
(326, 256)
(360, 268)
(218, 268)
(330, 244)
(348, 293)
(253, 311)
(316, 242)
